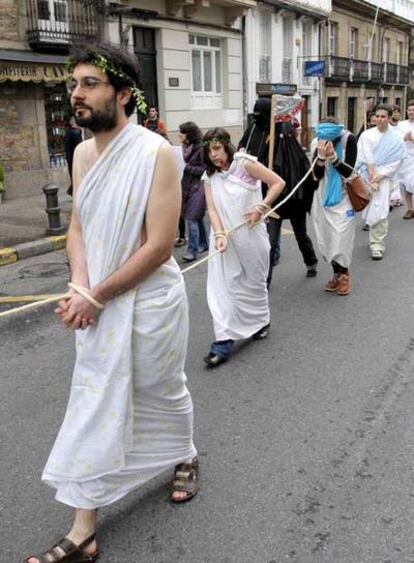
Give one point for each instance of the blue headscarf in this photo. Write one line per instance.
(330, 132)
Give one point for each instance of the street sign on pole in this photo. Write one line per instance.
(314, 68)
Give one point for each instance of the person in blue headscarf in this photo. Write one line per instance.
(380, 153)
(335, 151)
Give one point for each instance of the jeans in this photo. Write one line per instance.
(222, 348)
(181, 228)
(197, 236)
(298, 222)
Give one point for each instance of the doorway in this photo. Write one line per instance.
(351, 114)
(144, 48)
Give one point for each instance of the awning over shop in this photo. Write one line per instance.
(31, 67)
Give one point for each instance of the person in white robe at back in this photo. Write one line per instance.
(380, 152)
(406, 172)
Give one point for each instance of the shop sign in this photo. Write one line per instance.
(32, 72)
(314, 68)
(270, 89)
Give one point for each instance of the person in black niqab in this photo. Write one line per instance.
(291, 163)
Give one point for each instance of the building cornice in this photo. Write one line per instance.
(368, 10)
(297, 8)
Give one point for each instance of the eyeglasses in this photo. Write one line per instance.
(87, 83)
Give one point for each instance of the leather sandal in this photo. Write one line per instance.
(187, 480)
(71, 553)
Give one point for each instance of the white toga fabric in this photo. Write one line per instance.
(129, 415)
(334, 226)
(236, 282)
(378, 207)
(405, 174)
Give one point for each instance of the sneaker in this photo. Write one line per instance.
(214, 360)
(344, 284)
(332, 284)
(179, 242)
(202, 249)
(262, 333)
(311, 271)
(365, 227)
(189, 257)
(377, 254)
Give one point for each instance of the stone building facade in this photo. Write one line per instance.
(280, 37)
(34, 39)
(191, 56)
(363, 60)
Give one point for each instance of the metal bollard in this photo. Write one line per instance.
(53, 209)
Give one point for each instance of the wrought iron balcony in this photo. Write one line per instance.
(341, 69)
(56, 24)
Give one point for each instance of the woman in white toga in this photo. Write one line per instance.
(236, 284)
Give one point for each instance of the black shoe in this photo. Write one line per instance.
(365, 228)
(262, 333)
(189, 258)
(311, 271)
(214, 360)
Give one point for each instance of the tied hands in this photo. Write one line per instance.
(374, 178)
(76, 312)
(326, 150)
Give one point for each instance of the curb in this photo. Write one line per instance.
(35, 248)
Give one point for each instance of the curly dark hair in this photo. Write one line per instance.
(122, 59)
(221, 136)
(192, 131)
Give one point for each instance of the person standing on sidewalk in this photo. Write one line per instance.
(406, 172)
(153, 121)
(236, 282)
(130, 415)
(335, 150)
(380, 153)
(194, 201)
(73, 137)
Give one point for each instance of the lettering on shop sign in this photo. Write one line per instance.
(32, 72)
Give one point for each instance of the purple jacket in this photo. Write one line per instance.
(194, 202)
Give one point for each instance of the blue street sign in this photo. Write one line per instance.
(314, 68)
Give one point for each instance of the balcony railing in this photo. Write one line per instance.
(353, 70)
(59, 23)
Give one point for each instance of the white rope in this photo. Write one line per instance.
(272, 210)
(55, 298)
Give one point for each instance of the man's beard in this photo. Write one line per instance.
(98, 120)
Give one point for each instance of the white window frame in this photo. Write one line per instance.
(206, 98)
(52, 24)
(333, 39)
(353, 43)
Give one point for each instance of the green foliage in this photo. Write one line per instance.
(107, 67)
(2, 176)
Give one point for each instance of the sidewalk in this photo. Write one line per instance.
(23, 224)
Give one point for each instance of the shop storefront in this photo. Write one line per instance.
(34, 111)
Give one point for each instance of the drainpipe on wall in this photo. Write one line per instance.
(244, 72)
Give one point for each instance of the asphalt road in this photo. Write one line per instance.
(306, 438)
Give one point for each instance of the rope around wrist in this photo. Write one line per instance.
(218, 234)
(82, 291)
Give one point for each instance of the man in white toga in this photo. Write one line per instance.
(129, 415)
(380, 152)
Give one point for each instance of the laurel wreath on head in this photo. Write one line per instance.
(220, 139)
(106, 66)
